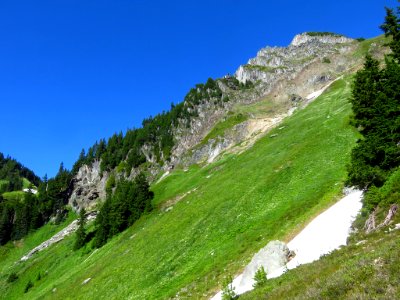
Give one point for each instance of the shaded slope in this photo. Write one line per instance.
(236, 206)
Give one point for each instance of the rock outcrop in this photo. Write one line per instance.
(71, 228)
(88, 187)
(275, 63)
(321, 38)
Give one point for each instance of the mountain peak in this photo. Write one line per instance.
(323, 37)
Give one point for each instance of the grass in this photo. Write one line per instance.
(236, 206)
(13, 251)
(260, 109)
(264, 69)
(14, 196)
(220, 128)
(25, 183)
(365, 46)
(368, 270)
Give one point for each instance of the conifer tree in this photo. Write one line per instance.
(80, 235)
(376, 107)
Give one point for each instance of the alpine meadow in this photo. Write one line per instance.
(279, 181)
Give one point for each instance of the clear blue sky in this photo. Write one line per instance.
(72, 72)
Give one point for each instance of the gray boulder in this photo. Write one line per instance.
(274, 256)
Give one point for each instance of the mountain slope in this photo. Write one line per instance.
(209, 220)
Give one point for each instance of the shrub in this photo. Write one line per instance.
(28, 286)
(260, 277)
(228, 291)
(326, 60)
(12, 277)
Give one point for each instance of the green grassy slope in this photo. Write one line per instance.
(235, 207)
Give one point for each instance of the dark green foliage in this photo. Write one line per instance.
(388, 194)
(6, 219)
(360, 39)
(80, 235)
(391, 28)
(235, 84)
(28, 286)
(323, 33)
(376, 106)
(326, 60)
(18, 218)
(122, 208)
(260, 277)
(12, 277)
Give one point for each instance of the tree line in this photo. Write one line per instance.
(125, 151)
(20, 216)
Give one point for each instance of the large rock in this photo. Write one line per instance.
(273, 257)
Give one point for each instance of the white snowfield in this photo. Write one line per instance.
(327, 232)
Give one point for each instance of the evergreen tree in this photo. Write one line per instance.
(391, 27)
(80, 235)
(6, 215)
(123, 207)
(376, 107)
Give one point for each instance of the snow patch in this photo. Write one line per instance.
(327, 232)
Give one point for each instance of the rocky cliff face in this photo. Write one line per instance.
(284, 76)
(287, 75)
(275, 63)
(323, 38)
(89, 187)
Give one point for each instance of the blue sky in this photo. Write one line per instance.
(72, 72)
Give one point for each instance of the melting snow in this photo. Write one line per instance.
(327, 232)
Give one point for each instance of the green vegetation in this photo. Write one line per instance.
(264, 69)
(28, 286)
(323, 33)
(120, 210)
(366, 46)
(260, 277)
(228, 291)
(80, 235)
(326, 60)
(13, 251)
(156, 133)
(22, 212)
(13, 175)
(220, 128)
(235, 84)
(368, 268)
(269, 192)
(376, 106)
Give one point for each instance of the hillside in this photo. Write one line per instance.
(170, 251)
(257, 169)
